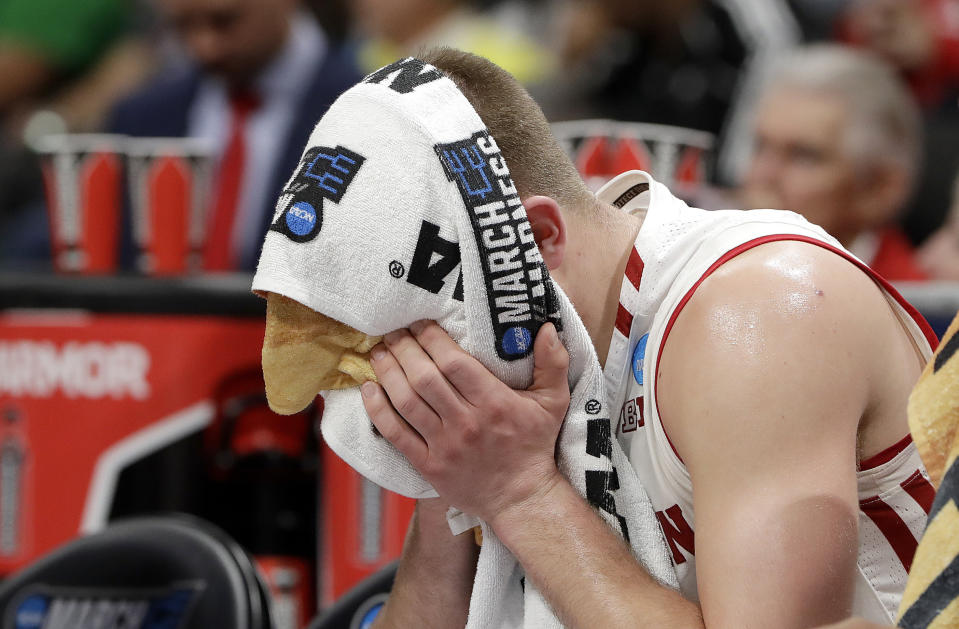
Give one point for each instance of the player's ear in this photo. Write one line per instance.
(549, 228)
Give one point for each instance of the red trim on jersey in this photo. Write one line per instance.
(634, 269)
(921, 490)
(886, 455)
(624, 320)
(634, 273)
(755, 242)
(678, 533)
(893, 529)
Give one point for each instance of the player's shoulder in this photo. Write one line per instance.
(783, 305)
(767, 333)
(794, 280)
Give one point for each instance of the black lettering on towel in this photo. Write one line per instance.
(433, 260)
(600, 484)
(405, 75)
(521, 298)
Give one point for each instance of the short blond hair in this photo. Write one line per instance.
(537, 163)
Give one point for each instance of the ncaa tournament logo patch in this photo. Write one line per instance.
(639, 357)
(324, 173)
(517, 341)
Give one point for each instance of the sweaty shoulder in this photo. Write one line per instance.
(787, 332)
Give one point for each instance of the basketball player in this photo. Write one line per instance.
(760, 376)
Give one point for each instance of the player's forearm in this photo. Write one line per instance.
(584, 569)
(435, 577)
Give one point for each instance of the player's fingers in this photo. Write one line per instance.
(391, 426)
(405, 401)
(471, 379)
(422, 374)
(550, 371)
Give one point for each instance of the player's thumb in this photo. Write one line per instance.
(550, 368)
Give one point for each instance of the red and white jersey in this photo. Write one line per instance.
(676, 249)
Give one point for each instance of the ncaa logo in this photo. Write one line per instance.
(301, 218)
(639, 357)
(324, 174)
(517, 340)
(32, 612)
(367, 612)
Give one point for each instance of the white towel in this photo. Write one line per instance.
(403, 209)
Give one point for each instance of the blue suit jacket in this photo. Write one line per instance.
(162, 110)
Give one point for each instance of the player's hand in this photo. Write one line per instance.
(483, 446)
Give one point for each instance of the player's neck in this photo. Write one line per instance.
(592, 271)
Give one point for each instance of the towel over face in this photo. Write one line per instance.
(402, 209)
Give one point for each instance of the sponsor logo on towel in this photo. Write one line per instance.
(405, 75)
(518, 290)
(323, 173)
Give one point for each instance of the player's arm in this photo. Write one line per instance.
(584, 570)
(435, 576)
(763, 382)
(490, 451)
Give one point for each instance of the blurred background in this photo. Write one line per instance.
(143, 144)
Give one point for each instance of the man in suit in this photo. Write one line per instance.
(261, 74)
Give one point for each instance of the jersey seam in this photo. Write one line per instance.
(872, 589)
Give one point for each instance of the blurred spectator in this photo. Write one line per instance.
(334, 17)
(818, 18)
(939, 255)
(44, 41)
(396, 28)
(63, 65)
(837, 140)
(938, 164)
(262, 73)
(918, 37)
(688, 63)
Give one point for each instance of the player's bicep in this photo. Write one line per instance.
(766, 419)
(775, 556)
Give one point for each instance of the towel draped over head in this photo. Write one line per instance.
(402, 208)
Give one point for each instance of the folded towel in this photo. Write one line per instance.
(305, 351)
(931, 598)
(403, 209)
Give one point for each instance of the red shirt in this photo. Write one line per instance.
(895, 257)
